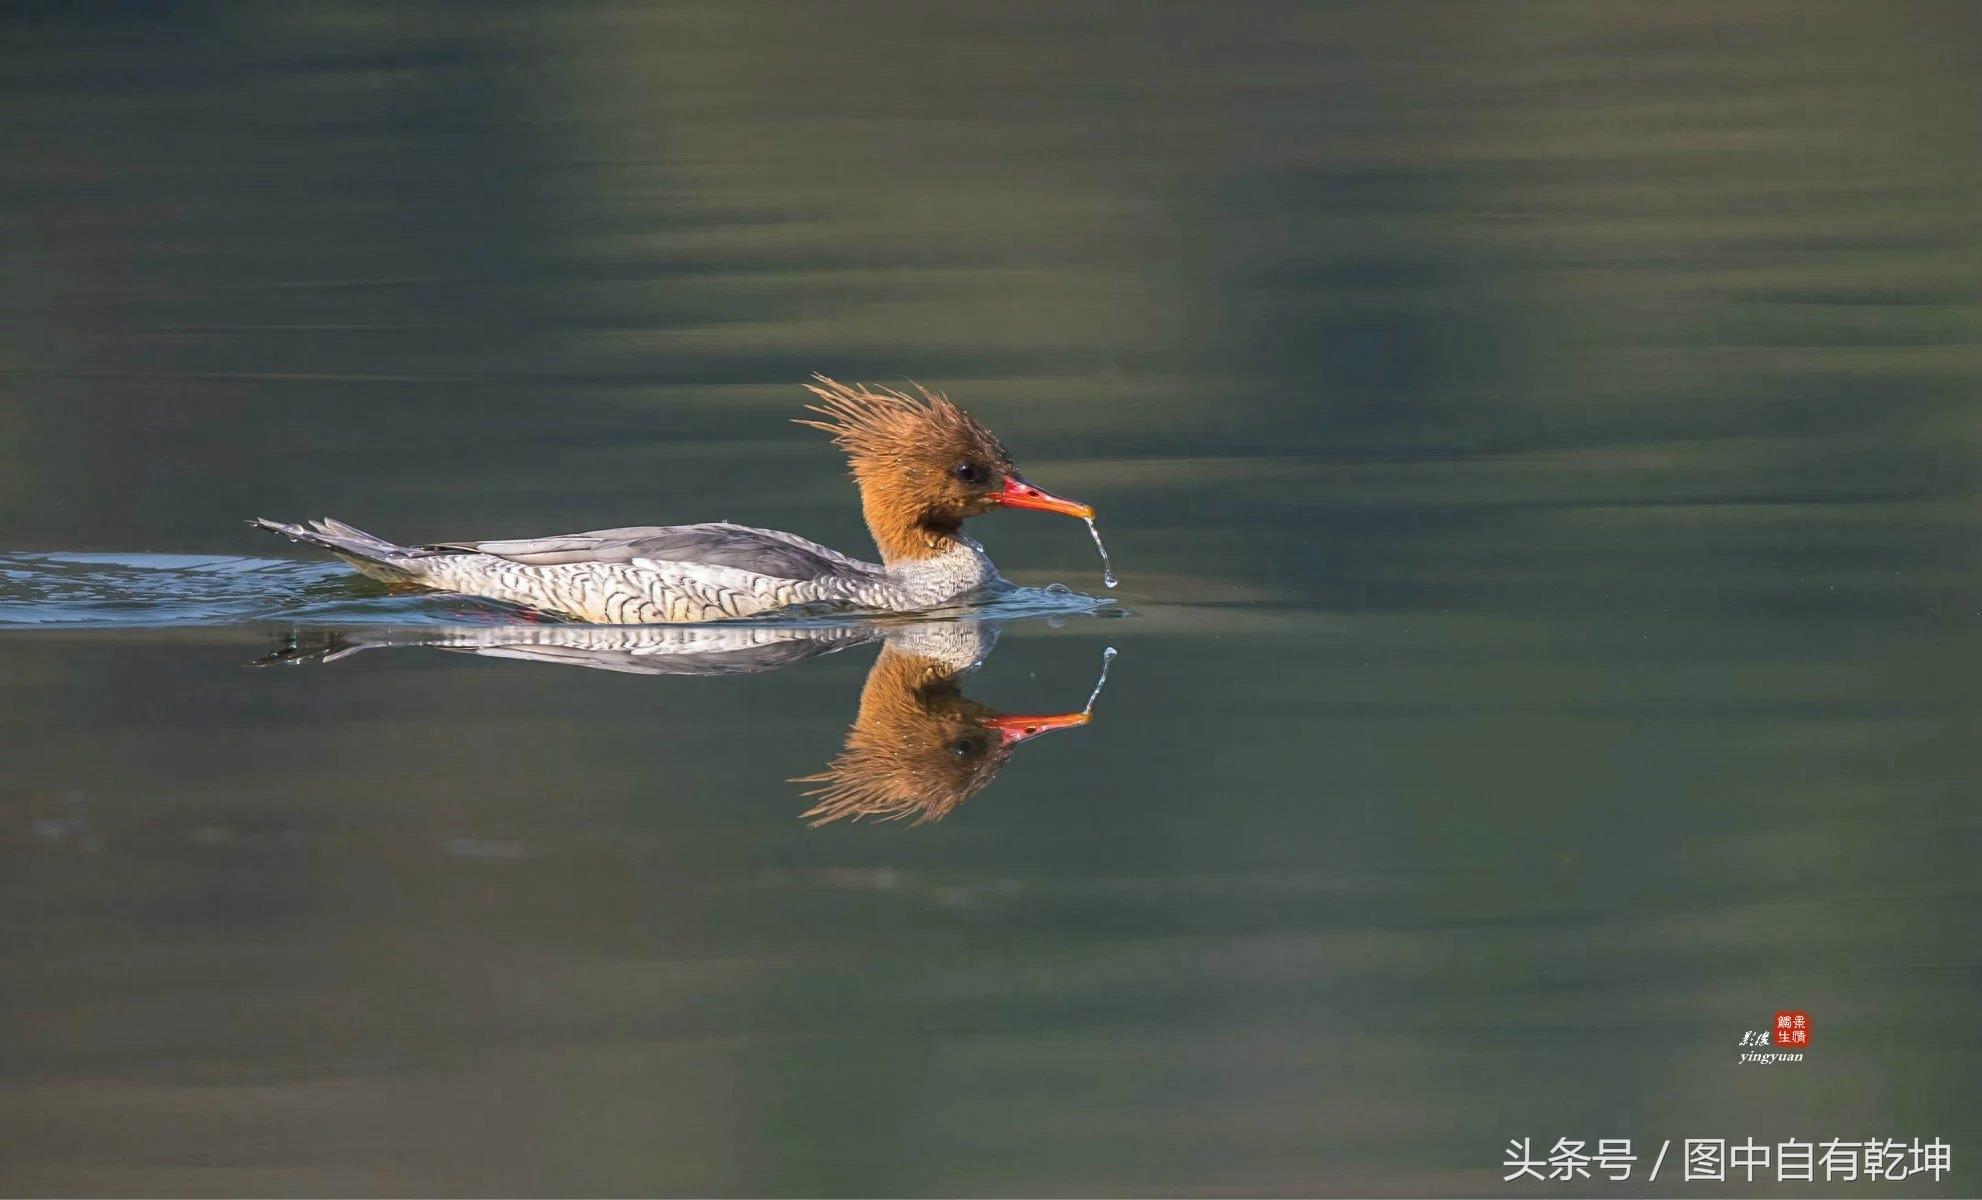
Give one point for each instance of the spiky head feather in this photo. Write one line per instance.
(923, 464)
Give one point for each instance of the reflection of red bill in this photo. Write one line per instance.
(1014, 728)
(1791, 1028)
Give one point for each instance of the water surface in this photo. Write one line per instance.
(1538, 444)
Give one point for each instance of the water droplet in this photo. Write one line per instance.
(1107, 571)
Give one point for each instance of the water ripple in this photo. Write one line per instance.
(67, 590)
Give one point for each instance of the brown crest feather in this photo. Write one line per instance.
(877, 422)
(901, 449)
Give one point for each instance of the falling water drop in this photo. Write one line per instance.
(1107, 657)
(1107, 571)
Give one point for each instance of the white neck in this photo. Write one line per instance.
(957, 571)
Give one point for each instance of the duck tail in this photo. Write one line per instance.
(373, 555)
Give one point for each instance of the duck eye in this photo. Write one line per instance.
(963, 747)
(967, 472)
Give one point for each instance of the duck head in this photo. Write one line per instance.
(919, 747)
(923, 466)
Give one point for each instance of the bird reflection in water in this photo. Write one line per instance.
(917, 749)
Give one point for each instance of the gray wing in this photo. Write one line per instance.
(764, 551)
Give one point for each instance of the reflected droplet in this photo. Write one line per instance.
(1107, 658)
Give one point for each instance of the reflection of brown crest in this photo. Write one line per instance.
(917, 749)
(918, 746)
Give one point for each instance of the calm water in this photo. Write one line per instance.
(1539, 445)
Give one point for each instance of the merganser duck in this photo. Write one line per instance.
(923, 466)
